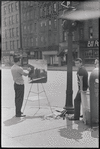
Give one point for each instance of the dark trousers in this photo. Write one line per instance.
(77, 102)
(19, 95)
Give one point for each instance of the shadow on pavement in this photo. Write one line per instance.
(71, 133)
(13, 121)
(75, 132)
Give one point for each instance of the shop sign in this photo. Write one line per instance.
(93, 43)
(89, 44)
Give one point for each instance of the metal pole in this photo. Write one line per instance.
(69, 91)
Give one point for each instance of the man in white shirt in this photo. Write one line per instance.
(17, 73)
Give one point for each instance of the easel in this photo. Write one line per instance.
(38, 96)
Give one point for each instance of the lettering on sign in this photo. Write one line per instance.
(93, 43)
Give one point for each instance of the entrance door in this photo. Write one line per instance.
(51, 60)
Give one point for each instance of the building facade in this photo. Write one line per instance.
(38, 31)
(10, 27)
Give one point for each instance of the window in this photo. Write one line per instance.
(90, 32)
(25, 42)
(49, 24)
(42, 39)
(36, 41)
(45, 23)
(81, 34)
(35, 27)
(41, 24)
(55, 7)
(24, 16)
(5, 33)
(5, 22)
(28, 28)
(55, 23)
(45, 11)
(9, 8)
(64, 36)
(31, 3)
(18, 46)
(10, 35)
(6, 45)
(5, 10)
(28, 3)
(31, 15)
(17, 18)
(24, 4)
(12, 19)
(31, 41)
(27, 15)
(12, 32)
(24, 28)
(14, 44)
(41, 12)
(11, 45)
(16, 5)
(17, 32)
(12, 7)
(28, 42)
(49, 9)
(35, 13)
(31, 28)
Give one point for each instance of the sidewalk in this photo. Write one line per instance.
(40, 129)
(74, 68)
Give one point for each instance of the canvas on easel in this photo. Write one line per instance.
(38, 73)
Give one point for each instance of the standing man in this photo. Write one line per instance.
(17, 73)
(96, 62)
(77, 101)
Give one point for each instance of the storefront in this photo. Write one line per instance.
(51, 57)
(89, 51)
(5, 58)
(34, 53)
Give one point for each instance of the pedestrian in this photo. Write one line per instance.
(77, 101)
(17, 73)
(96, 62)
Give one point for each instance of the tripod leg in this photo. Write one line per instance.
(47, 97)
(27, 98)
(38, 95)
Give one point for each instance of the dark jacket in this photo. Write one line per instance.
(82, 72)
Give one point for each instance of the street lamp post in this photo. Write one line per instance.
(84, 11)
(69, 91)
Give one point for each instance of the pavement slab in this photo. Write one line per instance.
(35, 131)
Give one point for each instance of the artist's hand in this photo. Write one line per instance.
(28, 69)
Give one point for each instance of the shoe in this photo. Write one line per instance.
(73, 119)
(20, 115)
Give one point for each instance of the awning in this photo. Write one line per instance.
(62, 52)
(49, 52)
(65, 51)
